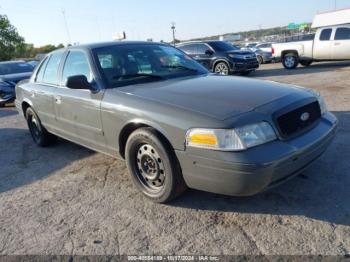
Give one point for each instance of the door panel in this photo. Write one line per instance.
(77, 111)
(323, 44)
(341, 44)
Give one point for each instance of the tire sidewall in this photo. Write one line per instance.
(296, 61)
(146, 136)
(222, 63)
(30, 113)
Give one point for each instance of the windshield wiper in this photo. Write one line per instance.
(119, 77)
(181, 67)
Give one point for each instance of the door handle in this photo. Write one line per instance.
(58, 100)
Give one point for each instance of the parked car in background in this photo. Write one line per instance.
(251, 45)
(263, 56)
(266, 47)
(10, 74)
(221, 57)
(331, 42)
(33, 63)
(176, 124)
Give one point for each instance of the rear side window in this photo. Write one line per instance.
(201, 49)
(76, 64)
(50, 74)
(342, 33)
(40, 74)
(326, 34)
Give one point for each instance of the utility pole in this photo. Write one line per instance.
(173, 29)
(66, 25)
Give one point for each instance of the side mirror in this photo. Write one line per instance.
(78, 82)
(209, 52)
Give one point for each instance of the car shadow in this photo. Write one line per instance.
(321, 192)
(267, 71)
(23, 162)
(7, 112)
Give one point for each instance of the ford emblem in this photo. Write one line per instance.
(305, 116)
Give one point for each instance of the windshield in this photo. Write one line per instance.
(139, 63)
(15, 68)
(220, 46)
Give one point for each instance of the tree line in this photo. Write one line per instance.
(13, 46)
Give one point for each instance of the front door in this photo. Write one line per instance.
(323, 45)
(77, 110)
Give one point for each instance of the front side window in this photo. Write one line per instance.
(50, 74)
(221, 46)
(131, 64)
(77, 64)
(200, 49)
(342, 33)
(326, 34)
(188, 49)
(40, 74)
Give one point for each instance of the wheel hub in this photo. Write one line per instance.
(150, 166)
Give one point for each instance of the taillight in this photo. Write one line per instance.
(273, 50)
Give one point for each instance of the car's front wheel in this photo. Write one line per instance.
(260, 59)
(153, 166)
(221, 68)
(290, 61)
(39, 134)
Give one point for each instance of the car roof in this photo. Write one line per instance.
(113, 43)
(199, 42)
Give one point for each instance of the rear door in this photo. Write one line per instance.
(322, 49)
(77, 110)
(341, 43)
(44, 87)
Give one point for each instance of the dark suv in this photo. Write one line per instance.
(221, 57)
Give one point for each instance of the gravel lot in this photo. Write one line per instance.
(69, 200)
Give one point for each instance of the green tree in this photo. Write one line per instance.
(11, 43)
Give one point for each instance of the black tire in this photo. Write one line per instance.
(222, 68)
(39, 134)
(306, 63)
(260, 59)
(290, 61)
(153, 166)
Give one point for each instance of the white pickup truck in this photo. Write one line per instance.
(331, 43)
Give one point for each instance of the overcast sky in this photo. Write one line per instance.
(42, 21)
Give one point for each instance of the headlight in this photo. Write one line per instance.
(236, 139)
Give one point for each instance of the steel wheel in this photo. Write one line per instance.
(221, 68)
(290, 61)
(151, 170)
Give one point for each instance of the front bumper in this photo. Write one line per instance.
(256, 169)
(244, 66)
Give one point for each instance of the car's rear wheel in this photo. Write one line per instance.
(153, 166)
(221, 68)
(39, 134)
(290, 61)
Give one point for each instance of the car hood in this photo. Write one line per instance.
(240, 52)
(15, 78)
(216, 96)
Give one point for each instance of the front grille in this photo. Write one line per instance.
(298, 119)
